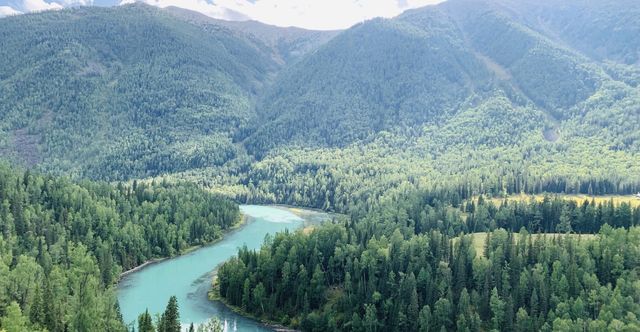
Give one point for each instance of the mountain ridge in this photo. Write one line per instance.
(205, 95)
(135, 90)
(512, 57)
(291, 42)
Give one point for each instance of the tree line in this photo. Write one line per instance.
(169, 321)
(417, 265)
(63, 244)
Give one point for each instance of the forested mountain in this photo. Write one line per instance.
(470, 92)
(288, 44)
(602, 30)
(260, 113)
(430, 64)
(131, 91)
(378, 75)
(405, 125)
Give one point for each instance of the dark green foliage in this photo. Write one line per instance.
(376, 76)
(127, 91)
(430, 64)
(145, 323)
(170, 319)
(133, 91)
(64, 244)
(463, 94)
(479, 88)
(465, 98)
(554, 79)
(406, 264)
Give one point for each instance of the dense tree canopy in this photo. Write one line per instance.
(406, 266)
(418, 128)
(64, 244)
(129, 91)
(465, 87)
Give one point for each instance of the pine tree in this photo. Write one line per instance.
(564, 226)
(497, 310)
(370, 321)
(442, 312)
(14, 320)
(259, 297)
(145, 323)
(38, 309)
(170, 320)
(522, 321)
(356, 322)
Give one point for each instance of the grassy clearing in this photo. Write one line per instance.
(617, 199)
(307, 230)
(480, 238)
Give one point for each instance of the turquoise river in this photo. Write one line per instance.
(189, 276)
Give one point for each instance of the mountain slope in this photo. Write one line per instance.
(378, 75)
(602, 30)
(288, 44)
(429, 64)
(551, 76)
(487, 89)
(534, 114)
(129, 91)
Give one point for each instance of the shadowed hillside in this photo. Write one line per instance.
(129, 91)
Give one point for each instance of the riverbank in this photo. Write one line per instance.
(303, 212)
(189, 277)
(214, 295)
(242, 220)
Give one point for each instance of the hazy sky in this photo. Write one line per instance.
(311, 14)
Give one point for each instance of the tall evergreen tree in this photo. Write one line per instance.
(145, 323)
(497, 310)
(14, 320)
(170, 320)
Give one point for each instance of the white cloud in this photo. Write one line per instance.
(195, 5)
(312, 14)
(26, 6)
(8, 11)
(39, 5)
(75, 2)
